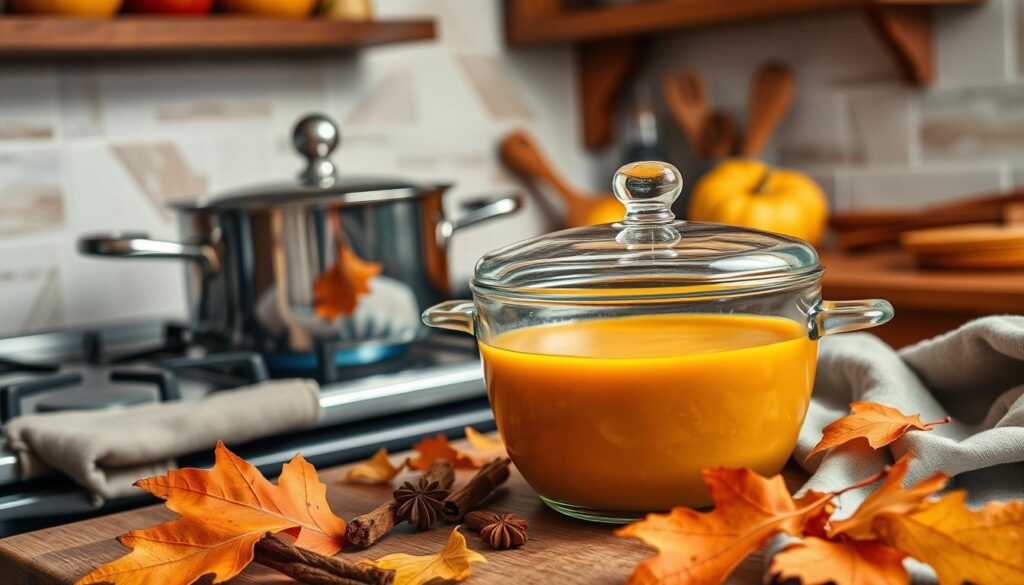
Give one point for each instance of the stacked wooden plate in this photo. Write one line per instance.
(968, 246)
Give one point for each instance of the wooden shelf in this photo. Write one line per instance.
(137, 35)
(927, 302)
(533, 22)
(904, 26)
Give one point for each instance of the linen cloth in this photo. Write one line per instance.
(974, 374)
(105, 451)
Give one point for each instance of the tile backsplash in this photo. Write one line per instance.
(868, 137)
(89, 146)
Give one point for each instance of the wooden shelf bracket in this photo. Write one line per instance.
(907, 32)
(604, 69)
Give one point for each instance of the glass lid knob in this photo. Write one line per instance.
(315, 137)
(647, 189)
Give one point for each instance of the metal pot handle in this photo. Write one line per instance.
(138, 245)
(488, 209)
(831, 317)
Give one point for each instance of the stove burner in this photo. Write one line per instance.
(8, 365)
(95, 400)
(224, 370)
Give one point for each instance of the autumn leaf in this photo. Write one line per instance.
(817, 522)
(706, 547)
(879, 424)
(223, 512)
(451, 564)
(179, 552)
(814, 561)
(377, 469)
(236, 490)
(484, 444)
(890, 498)
(976, 546)
(336, 291)
(436, 448)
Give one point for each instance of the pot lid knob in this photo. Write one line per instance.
(315, 137)
(647, 189)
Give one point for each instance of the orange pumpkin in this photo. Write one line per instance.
(749, 193)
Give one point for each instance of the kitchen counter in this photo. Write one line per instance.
(560, 550)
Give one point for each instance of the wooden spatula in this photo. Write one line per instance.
(687, 99)
(720, 135)
(771, 94)
(521, 153)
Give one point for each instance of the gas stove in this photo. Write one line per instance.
(434, 385)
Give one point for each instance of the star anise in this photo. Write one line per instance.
(501, 531)
(421, 503)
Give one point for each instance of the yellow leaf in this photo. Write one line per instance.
(879, 424)
(224, 512)
(698, 548)
(377, 469)
(484, 443)
(984, 546)
(451, 564)
(814, 561)
(889, 498)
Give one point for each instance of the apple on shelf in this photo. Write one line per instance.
(173, 7)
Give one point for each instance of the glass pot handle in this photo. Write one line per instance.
(842, 316)
(454, 315)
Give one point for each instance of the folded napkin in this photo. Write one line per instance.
(974, 374)
(105, 451)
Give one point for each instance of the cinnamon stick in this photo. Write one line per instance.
(476, 489)
(315, 569)
(363, 531)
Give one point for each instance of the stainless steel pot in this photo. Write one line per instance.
(253, 255)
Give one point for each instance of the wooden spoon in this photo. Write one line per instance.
(771, 94)
(687, 99)
(720, 135)
(523, 155)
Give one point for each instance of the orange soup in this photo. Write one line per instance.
(622, 414)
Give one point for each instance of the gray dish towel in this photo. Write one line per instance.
(974, 374)
(106, 451)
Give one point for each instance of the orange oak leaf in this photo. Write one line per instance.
(962, 545)
(377, 469)
(336, 291)
(698, 548)
(817, 522)
(890, 498)
(223, 512)
(879, 424)
(179, 552)
(436, 448)
(451, 564)
(814, 561)
(236, 490)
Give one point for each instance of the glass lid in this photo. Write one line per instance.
(648, 253)
(315, 137)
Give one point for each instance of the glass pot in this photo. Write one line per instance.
(622, 359)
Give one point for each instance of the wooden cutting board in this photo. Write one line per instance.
(560, 549)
